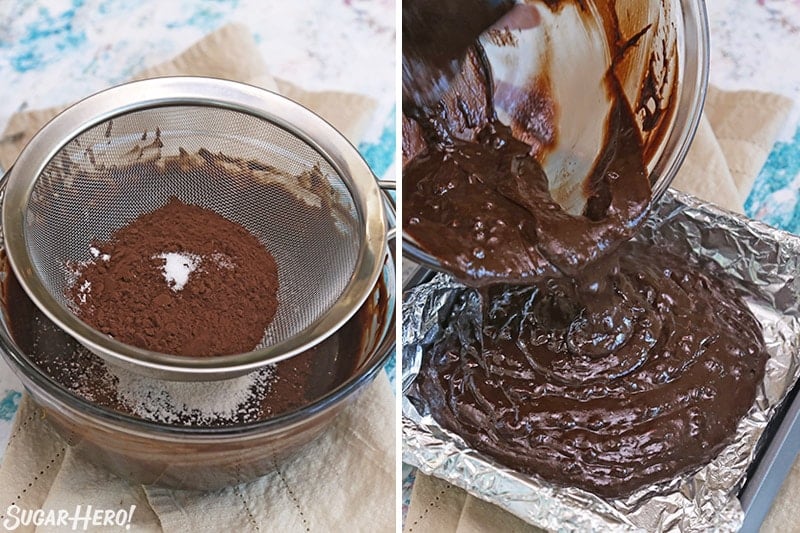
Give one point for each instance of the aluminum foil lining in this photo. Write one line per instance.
(762, 261)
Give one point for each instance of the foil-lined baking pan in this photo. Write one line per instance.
(763, 263)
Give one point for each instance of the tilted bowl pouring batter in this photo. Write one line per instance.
(554, 61)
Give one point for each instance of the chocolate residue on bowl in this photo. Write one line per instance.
(643, 95)
(436, 37)
(477, 200)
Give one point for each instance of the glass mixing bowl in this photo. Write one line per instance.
(549, 73)
(203, 457)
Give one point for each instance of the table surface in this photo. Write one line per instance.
(57, 51)
(754, 45)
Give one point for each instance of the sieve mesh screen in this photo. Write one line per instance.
(245, 168)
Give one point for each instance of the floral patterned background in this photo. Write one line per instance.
(754, 45)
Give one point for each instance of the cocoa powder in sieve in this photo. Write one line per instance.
(181, 280)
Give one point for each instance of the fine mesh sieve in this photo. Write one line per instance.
(251, 156)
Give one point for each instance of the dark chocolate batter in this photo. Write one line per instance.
(436, 36)
(648, 385)
(476, 199)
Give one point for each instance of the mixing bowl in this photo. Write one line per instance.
(188, 457)
(552, 64)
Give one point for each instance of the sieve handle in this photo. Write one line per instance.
(388, 186)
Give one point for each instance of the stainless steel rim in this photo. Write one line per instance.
(691, 98)
(158, 92)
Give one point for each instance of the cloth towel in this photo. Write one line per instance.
(344, 481)
(734, 138)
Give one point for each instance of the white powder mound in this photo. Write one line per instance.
(96, 253)
(202, 403)
(84, 290)
(177, 268)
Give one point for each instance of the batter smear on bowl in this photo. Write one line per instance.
(179, 280)
(476, 199)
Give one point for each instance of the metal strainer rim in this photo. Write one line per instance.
(224, 94)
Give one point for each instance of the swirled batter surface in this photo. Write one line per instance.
(609, 382)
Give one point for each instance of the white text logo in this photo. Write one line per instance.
(78, 520)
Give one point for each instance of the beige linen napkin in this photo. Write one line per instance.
(734, 138)
(736, 133)
(344, 481)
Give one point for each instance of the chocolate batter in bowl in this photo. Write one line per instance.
(578, 85)
(306, 395)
